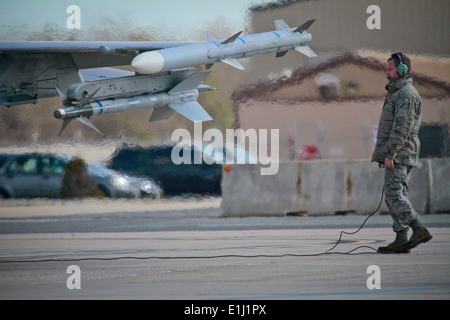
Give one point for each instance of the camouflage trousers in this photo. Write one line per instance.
(396, 192)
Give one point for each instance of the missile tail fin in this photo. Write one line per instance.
(191, 110)
(204, 87)
(281, 25)
(234, 63)
(191, 82)
(307, 51)
(161, 113)
(305, 26)
(281, 54)
(64, 126)
(232, 38)
(63, 97)
(86, 100)
(86, 122)
(209, 36)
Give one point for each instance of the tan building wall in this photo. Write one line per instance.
(420, 27)
(335, 105)
(351, 81)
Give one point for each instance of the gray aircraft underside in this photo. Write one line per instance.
(30, 70)
(164, 80)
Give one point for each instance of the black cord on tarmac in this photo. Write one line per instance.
(328, 252)
(351, 252)
(354, 232)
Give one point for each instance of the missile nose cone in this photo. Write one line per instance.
(148, 62)
(59, 113)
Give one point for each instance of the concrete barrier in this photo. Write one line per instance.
(440, 185)
(320, 187)
(246, 192)
(329, 187)
(420, 186)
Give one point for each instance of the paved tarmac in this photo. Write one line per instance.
(184, 250)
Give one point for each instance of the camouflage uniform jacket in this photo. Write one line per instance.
(397, 137)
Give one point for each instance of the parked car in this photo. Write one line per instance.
(36, 175)
(176, 179)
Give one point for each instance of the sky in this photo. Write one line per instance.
(182, 17)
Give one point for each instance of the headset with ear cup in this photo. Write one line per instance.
(402, 69)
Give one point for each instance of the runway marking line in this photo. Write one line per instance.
(301, 295)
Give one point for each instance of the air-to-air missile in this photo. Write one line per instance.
(207, 53)
(167, 92)
(163, 84)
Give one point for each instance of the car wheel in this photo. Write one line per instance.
(105, 191)
(3, 195)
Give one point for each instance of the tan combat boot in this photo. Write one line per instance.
(396, 246)
(420, 235)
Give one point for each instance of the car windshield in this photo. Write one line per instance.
(100, 170)
(238, 155)
(231, 153)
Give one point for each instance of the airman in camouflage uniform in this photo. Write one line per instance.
(397, 150)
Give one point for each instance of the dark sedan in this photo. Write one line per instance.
(176, 179)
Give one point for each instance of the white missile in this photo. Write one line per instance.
(181, 98)
(280, 41)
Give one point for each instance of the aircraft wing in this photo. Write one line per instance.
(30, 70)
(89, 54)
(85, 46)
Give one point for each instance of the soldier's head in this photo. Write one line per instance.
(398, 65)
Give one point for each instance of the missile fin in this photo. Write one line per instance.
(191, 110)
(305, 26)
(86, 100)
(281, 53)
(191, 82)
(86, 122)
(307, 51)
(234, 63)
(161, 113)
(209, 36)
(204, 87)
(63, 97)
(232, 38)
(64, 125)
(281, 25)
